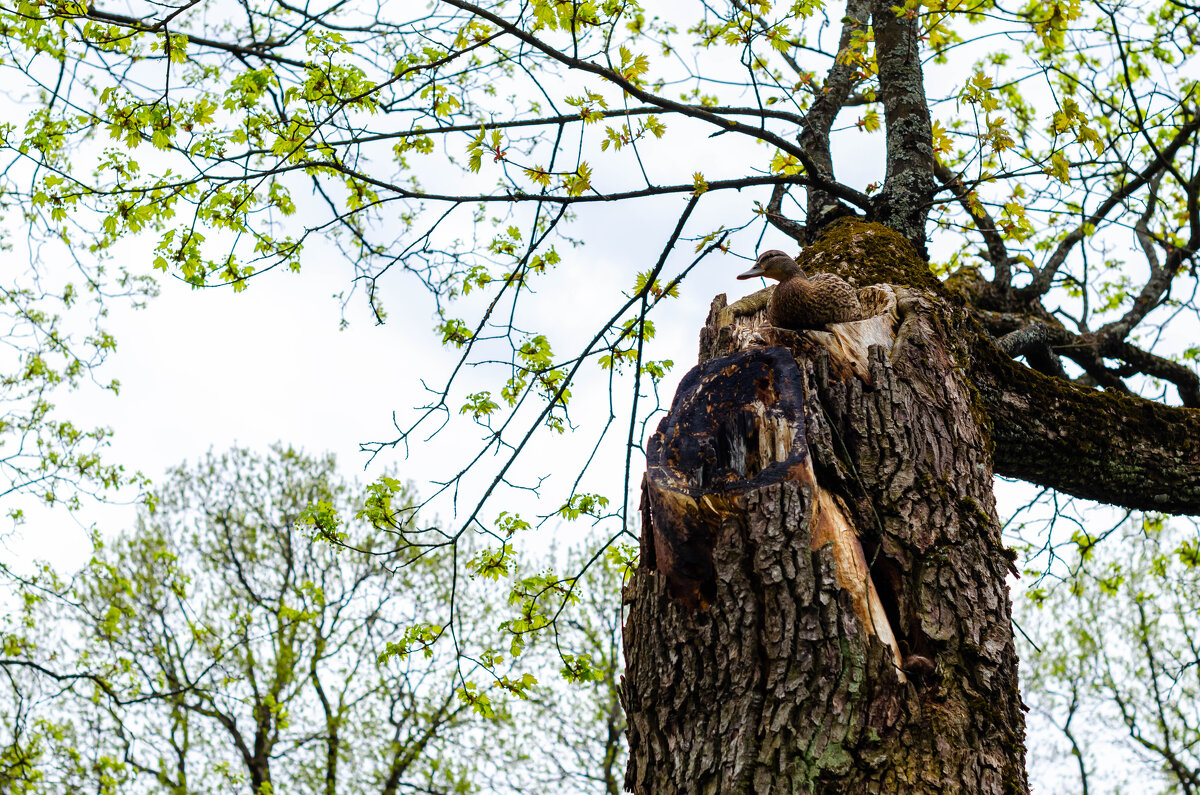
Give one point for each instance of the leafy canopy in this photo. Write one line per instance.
(450, 146)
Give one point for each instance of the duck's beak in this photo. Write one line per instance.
(752, 273)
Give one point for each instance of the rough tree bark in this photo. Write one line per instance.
(820, 604)
(761, 657)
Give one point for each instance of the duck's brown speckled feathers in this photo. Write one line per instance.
(813, 303)
(800, 302)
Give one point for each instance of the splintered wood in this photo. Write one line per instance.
(831, 526)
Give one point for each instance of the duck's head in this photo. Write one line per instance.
(773, 264)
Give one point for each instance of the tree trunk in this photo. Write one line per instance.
(821, 602)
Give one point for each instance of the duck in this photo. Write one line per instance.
(800, 302)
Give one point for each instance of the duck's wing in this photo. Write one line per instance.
(838, 299)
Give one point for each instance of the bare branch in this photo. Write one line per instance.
(726, 125)
(984, 223)
(1045, 276)
(260, 51)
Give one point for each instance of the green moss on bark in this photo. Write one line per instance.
(868, 253)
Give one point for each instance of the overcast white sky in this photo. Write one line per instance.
(210, 368)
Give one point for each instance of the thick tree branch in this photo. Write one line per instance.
(1183, 377)
(1102, 446)
(904, 202)
(1033, 342)
(1089, 352)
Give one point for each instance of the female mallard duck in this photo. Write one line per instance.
(800, 302)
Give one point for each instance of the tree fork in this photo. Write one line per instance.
(758, 659)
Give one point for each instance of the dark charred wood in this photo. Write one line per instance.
(737, 423)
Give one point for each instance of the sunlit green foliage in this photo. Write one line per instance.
(455, 143)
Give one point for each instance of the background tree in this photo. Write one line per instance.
(1112, 662)
(220, 646)
(1052, 165)
(52, 322)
